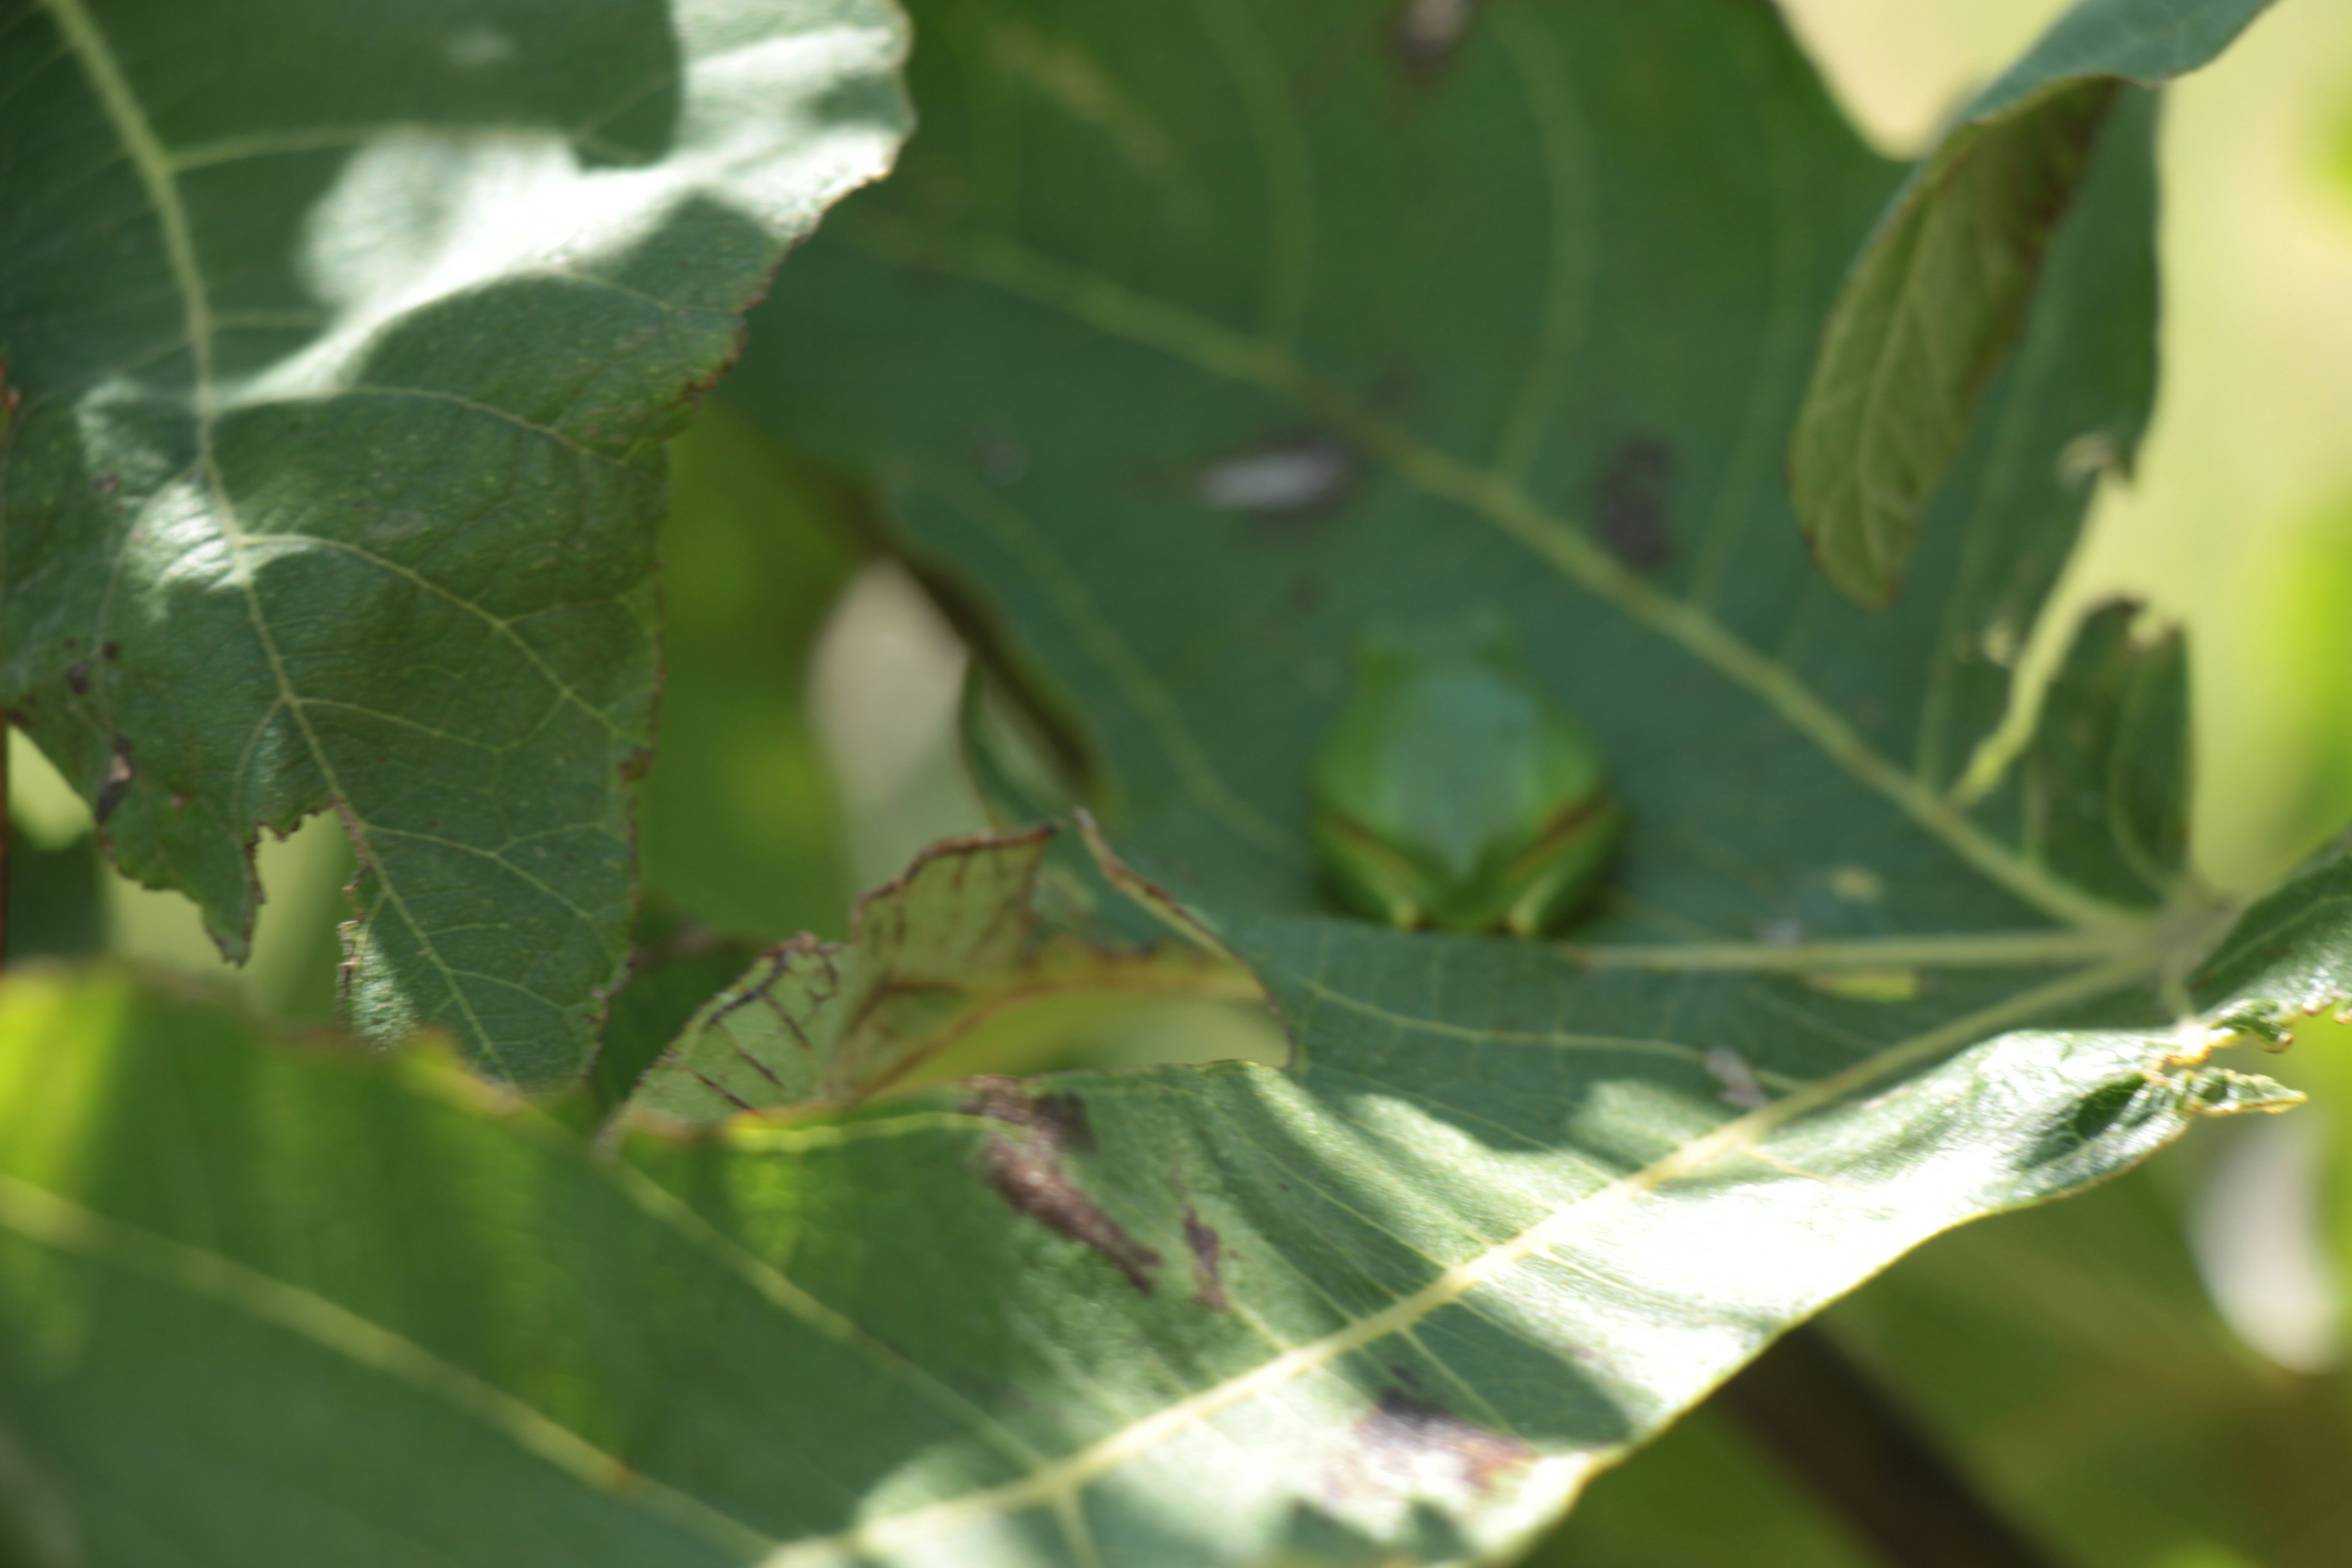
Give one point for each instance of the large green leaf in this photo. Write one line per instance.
(347, 336)
(283, 1306)
(1064, 384)
(1937, 298)
(1193, 342)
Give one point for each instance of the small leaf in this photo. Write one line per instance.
(2289, 957)
(931, 959)
(347, 340)
(1939, 293)
(2103, 785)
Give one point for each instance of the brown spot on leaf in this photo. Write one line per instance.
(1026, 1169)
(1058, 1120)
(1407, 1442)
(1065, 1116)
(117, 782)
(78, 677)
(1631, 504)
(112, 650)
(1208, 1262)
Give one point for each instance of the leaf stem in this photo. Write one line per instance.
(1824, 1419)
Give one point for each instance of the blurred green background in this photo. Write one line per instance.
(2149, 1377)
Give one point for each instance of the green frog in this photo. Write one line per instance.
(1450, 792)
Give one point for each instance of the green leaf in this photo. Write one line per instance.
(1937, 299)
(1060, 414)
(2104, 783)
(327, 1350)
(347, 337)
(283, 1306)
(2291, 957)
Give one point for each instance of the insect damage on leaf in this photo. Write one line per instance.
(116, 783)
(1025, 1166)
(1740, 1088)
(1208, 1262)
